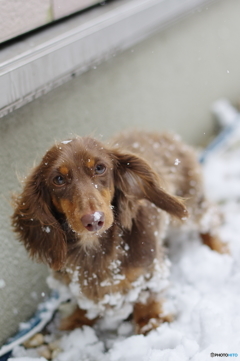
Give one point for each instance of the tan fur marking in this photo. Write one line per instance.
(90, 241)
(56, 204)
(133, 273)
(67, 206)
(214, 243)
(64, 170)
(62, 276)
(107, 194)
(73, 215)
(76, 319)
(90, 163)
(149, 316)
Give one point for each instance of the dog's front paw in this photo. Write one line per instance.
(77, 319)
(148, 316)
(145, 326)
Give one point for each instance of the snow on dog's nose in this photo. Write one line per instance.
(94, 221)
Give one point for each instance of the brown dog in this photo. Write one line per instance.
(97, 215)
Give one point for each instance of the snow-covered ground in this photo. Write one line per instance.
(204, 294)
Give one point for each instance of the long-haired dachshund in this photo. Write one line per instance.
(98, 214)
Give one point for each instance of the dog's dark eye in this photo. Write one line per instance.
(100, 169)
(59, 180)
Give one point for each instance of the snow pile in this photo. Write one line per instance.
(204, 294)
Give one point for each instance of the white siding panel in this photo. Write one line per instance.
(63, 8)
(17, 17)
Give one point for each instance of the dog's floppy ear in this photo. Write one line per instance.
(35, 224)
(135, 179)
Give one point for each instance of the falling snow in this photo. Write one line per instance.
(66, 141)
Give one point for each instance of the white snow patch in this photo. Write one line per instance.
(2, 283)
(81, 344)
(97, 216)
(66, 141)
(136, 145)
(46, 229)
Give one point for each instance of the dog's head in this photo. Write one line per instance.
(88, 186)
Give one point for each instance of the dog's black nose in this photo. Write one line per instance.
(94, 221)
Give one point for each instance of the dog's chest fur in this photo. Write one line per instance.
(121, 258)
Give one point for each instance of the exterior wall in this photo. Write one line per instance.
(18, 17)
(63, 8)
(167, 82)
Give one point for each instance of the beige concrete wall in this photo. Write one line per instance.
(166, 82)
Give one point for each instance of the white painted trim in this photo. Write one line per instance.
(114, 28)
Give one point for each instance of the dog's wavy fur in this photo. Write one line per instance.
(144, 179)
